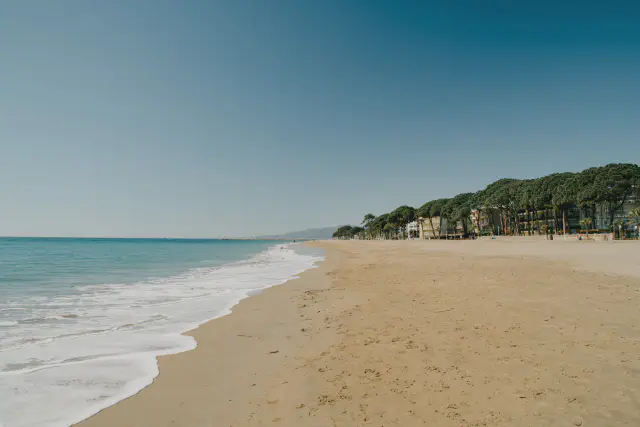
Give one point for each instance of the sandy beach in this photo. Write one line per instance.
(513, 332)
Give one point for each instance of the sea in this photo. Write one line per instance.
(82, 320)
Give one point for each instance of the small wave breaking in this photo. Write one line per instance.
(90, 350)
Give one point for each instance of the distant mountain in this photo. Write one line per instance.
(310, 233)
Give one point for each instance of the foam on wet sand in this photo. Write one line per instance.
(98, 347)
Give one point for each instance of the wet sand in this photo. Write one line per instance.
(514, 332)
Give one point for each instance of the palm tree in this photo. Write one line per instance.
(545, 229)
(586, 224)
(634, 215)
(618, 224)
(420, 221)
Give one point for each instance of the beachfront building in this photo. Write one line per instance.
(486, 221)
(603, 218)
(412, 230)
(574, 218)
(425, 229)
(441, 228)
(492, 221)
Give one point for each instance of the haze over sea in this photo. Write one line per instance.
(82, 320)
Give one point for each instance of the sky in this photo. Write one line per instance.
(238, 118)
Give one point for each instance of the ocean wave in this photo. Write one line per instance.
(7, 323)
(91, 349)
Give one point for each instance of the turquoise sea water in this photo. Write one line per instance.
(82, 320)
(57, 265)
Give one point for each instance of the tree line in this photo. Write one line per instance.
(515, 206)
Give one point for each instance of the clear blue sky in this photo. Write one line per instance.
(195, 118)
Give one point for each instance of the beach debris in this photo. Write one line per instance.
(325, 399)
(577, 421)
(274, 352)
(440, 311)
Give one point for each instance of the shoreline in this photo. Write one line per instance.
(166, 359)
(86, 386)
(411, 334)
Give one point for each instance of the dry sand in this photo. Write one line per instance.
(514, 332)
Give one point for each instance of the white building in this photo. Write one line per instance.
(413, 230)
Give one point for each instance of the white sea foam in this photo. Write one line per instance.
(68, 357)
(8, 323)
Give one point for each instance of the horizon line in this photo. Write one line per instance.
(140, 238)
